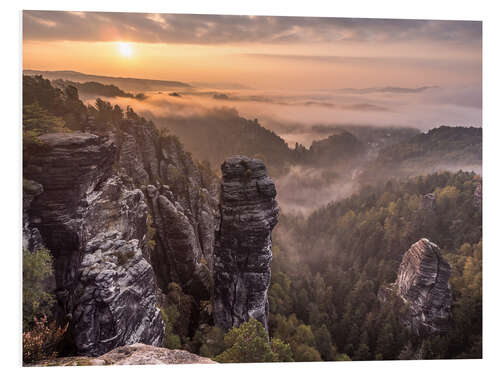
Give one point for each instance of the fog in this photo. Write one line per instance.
(301, 116)
(304, 117)
(305, 189)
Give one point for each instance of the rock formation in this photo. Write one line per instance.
(123, 214)
(478, 195)
(136, 354)
(32, 239)
(243, 254)
(428, 202)
(125, 211)
(94, 226)
(182, 201)
(115, 298)
(180, 258)
(422, 283)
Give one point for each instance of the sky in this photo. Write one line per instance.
(412, 72)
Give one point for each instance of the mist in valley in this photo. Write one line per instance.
(378, 117)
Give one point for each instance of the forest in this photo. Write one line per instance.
(328, 267)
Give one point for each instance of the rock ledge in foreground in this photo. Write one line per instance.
(136, 354)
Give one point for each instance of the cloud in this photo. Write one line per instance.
(220, 29)
(383, 62)
(465, 97)
(286, 101)
(388, 89)
(364, 107)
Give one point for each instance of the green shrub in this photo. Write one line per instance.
(281, 351)
(246, 343)
(249, 343)
(211, 340)
(37, 298)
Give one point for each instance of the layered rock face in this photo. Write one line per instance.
(182, 203)
(180, 257)
(126, 213)
(94, 224)
(116, 295)
(123, 214)
(32, 239)
(422, 283)
(68, 166)
(243, 254)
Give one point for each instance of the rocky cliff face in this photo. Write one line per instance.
(182, 200)
(422, 283)
(94, 223)
(32, 239)
(243, 254)
(127, 212)
(123, 214)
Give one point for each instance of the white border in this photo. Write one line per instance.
(425, 9)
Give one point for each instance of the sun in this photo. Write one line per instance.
(125, 49)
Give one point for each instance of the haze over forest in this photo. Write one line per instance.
(203, 116)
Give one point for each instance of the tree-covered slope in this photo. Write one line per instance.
(440, 149)
(329, 268)
(219, 134)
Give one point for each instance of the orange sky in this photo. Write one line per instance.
(261, 52)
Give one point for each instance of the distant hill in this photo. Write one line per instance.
(443, 148)
(336, 147)
(96, 88)
(221, 133)
(133, 84)
(444, 144)
(376, 137)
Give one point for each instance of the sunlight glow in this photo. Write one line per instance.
(125, 49)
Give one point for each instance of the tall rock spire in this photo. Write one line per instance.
(242, 273)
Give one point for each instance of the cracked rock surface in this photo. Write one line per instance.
(422, 283)
(243, 254)
(136, 354)
(94, 223)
